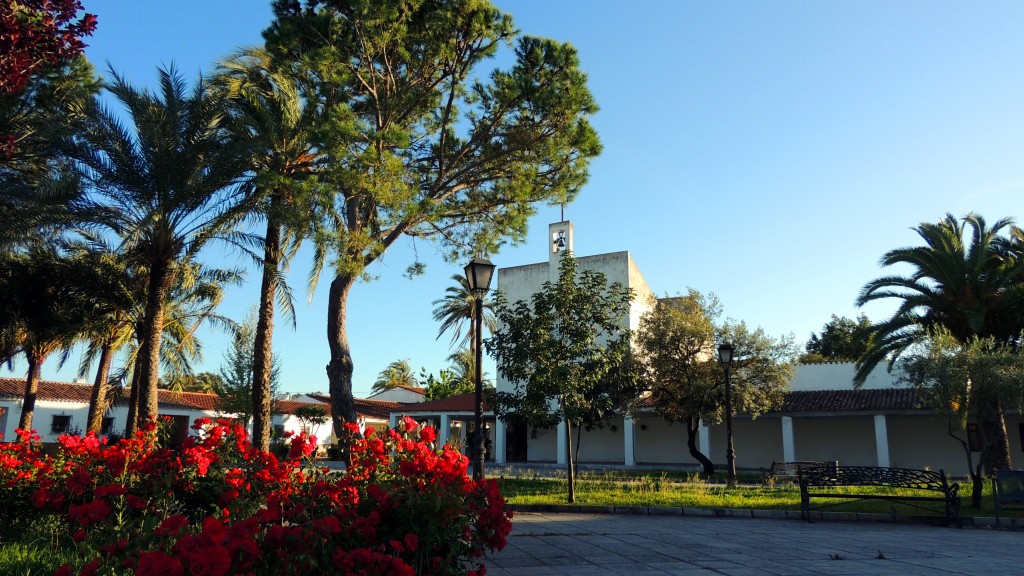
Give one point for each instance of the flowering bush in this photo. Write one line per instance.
(218, 506)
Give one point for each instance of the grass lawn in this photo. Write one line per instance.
(692, 490)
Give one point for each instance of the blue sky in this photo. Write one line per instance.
(769, 152)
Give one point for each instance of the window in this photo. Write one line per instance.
(278, 430)
(60, 424)
(108, 425)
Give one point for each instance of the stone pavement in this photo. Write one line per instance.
(607, 544)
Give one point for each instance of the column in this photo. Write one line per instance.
(500, 440)
(394, 420)
(628, 429)
(788, 445)
(881, 441)
(445, 430)
(560, 444)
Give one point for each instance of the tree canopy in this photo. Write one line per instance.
(419, 141)
(677, 343)
(840, 339)
(35, 34)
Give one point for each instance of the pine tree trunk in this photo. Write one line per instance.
(339, 369)
(28, 405)
(692, 427)
(160, 277)
(98, 399)
(262, 352)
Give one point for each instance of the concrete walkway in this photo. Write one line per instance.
(605, 544)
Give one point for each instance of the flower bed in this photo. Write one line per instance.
(217, 506)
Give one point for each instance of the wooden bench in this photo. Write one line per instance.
(1008, 491)
(829, 482)
(790, 470)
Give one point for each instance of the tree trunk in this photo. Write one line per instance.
(98, 399)
(339, 369)
(262, 351)
(568, 461)
(132, 426)
(160, 277)
(993, 426)
(28, 404)
(692, 427)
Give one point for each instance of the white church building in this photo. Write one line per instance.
(822, 418)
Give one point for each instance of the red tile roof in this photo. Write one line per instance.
(827, 401)
(370, 409)
(80, 394)
(379, 409)
(853, 400)
(47, 390)
(289, 406)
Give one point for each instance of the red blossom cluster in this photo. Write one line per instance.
(35, 33)
(217, 506)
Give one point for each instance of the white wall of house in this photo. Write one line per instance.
(398, 395)
(601, 445)
(848, 439)
(839, 376)
(658, 441)
(284, 423)
(542, 445)
(46, 410)
(42, 418)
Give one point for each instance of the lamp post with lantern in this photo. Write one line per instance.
(725, 355)
(478, 274)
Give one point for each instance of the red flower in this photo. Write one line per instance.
(88, 514)
(171, 526)
(210, 561)
(214, 530)
(410, 424)
(90, 568)
(156, 563)
(428, 434)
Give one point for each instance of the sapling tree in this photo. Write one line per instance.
(961, 381)
(566, 353)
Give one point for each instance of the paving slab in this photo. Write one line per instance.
(614, 544)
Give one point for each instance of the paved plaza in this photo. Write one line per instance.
(605, 544)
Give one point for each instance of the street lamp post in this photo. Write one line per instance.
(725, 352)
(478, 275)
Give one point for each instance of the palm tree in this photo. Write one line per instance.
(270, 117)
(47, 306)
(967, 280)
(459, 306)
(191, 302)
(166, 187)
(463, 369)
(397, 373)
